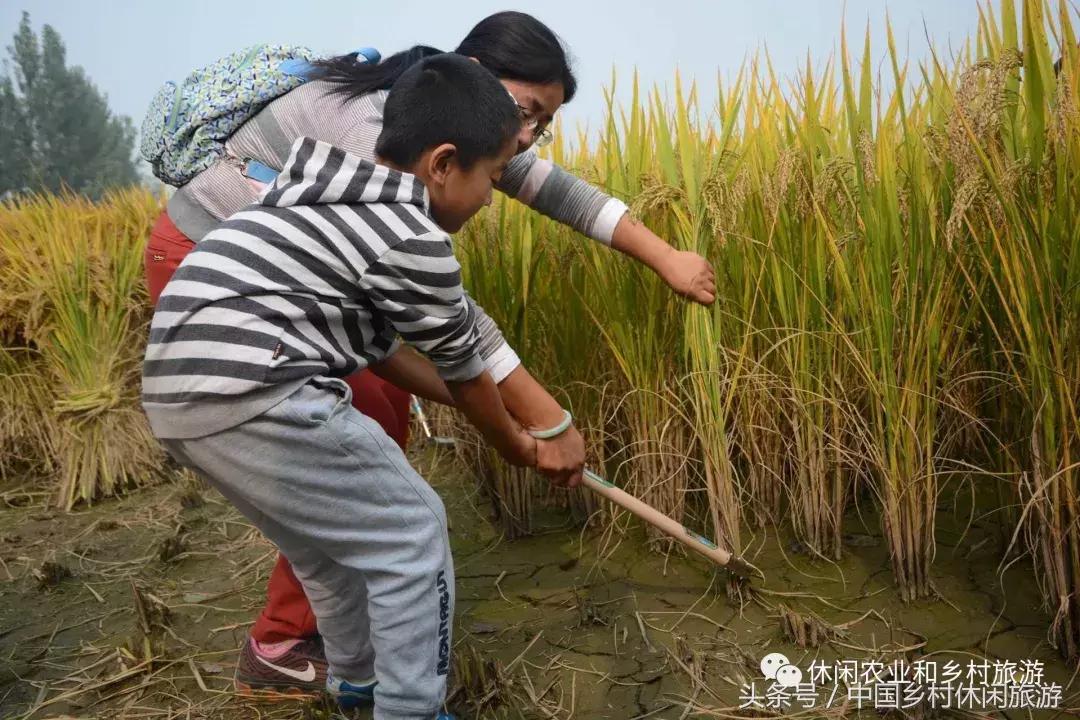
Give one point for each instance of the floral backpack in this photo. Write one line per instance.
(186, 127)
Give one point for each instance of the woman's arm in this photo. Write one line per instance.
(528, 401)
(552, 191)
(525, 399)
(563, 456)
(687, 273)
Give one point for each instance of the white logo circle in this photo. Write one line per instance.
(771, 663)
(788, 676)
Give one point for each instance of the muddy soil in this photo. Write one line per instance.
(135, 608)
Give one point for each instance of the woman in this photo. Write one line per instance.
(343, 105)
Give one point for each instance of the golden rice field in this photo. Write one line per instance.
(898, 264)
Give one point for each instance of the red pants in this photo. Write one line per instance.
(287, 613)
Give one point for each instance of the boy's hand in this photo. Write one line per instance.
(525, 450)
(562, 458)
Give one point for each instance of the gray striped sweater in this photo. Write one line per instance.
(337, 260)
(354, 126)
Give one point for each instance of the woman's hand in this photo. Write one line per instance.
(562, 458)
(690, 275)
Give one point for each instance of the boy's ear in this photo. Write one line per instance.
(440, 162)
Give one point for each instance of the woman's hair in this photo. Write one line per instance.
(516, 46)
(353, 79)
(511, 45)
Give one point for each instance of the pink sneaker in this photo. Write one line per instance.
(288, 670)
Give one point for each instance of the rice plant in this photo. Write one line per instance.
(634, 310)
(891, 253)
(74, 295)
(1017, 130)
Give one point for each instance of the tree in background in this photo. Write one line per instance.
(56, 130)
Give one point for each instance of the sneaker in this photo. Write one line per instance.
(350, 695)
(281, 670)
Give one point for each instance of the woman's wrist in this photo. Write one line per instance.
(554, 430)
(528, 402)
(632, 238)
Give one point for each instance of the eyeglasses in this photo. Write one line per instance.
(541, 135)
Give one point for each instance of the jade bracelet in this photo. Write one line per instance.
(554, 431)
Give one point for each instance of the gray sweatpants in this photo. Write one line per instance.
(365, 534)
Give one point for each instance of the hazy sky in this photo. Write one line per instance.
(130, 47)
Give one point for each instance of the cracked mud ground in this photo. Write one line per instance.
(136, 607)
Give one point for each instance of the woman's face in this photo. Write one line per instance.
(540, 102)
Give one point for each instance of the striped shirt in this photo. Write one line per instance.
(338, 260)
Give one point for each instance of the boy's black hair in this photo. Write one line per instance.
(447, 98)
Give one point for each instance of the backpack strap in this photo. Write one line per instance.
(296, 67)
(260, 172)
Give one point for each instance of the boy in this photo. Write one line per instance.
(251, 336)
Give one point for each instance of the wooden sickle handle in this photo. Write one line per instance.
(670, 527)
